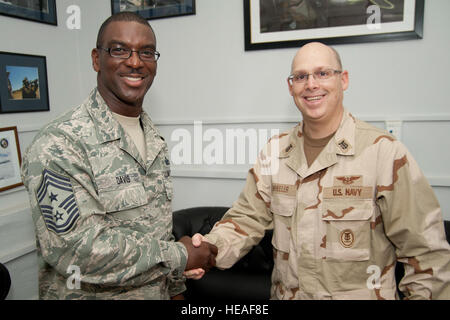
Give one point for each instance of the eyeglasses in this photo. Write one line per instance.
(321, 75)
(125, 53)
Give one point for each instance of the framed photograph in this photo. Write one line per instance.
(10, 159)
(23, 83)
(155, 9)
(273, 24)
(35, 10)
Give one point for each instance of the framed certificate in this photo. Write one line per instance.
(10, 159)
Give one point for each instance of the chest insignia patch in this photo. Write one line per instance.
(348, 187)
(347, 238)
(127, 178)
(287, 189)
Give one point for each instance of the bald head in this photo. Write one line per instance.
(314, 50)
(319, 99)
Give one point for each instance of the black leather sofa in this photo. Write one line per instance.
(5, 282)
(249, 278)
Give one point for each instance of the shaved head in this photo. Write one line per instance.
(316, 47)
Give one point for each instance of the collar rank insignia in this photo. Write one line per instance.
(57, 202)
(344, 145)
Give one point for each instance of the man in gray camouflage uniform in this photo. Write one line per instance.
(346, 202)
(99, 184)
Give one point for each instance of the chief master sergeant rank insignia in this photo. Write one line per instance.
(57, 202)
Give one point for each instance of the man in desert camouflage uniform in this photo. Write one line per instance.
(100, 190)
(346, 201)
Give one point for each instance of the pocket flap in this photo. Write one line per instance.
(347, 210)
(283, 205)
(280, 244)
(122, 199)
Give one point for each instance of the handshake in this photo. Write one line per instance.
(201, 256)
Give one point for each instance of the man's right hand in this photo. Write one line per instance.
(201, 255)
(196, 274)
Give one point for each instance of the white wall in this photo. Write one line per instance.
(204, 74)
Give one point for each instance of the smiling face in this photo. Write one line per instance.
(123, 83)
(318, 101)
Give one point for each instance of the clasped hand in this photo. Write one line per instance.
(201, 256)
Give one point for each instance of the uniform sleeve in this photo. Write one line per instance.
(72, 227)
(244, 225)
(413, 222)
(177, 281)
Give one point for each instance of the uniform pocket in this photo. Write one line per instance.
(283, 205)
(347, 229)
(132, 196)
(282, 208)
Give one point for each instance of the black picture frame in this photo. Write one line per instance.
(261, 34)
(153, 9)
(23, 83)
(43, 11)
(10, 159)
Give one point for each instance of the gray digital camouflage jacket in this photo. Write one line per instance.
(102, 214)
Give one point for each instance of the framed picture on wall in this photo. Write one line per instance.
(35, 10)
(282, 24)
(155, 9)
(10, 159)
(23, 83)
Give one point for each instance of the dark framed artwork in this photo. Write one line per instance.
(155, 9)
(10, 159)
(35, 10)
(283, 24)
(23, 83)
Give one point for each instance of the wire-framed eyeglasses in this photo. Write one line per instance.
(320, 75)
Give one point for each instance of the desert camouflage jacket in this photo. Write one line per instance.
(342, 224)
(102, 214)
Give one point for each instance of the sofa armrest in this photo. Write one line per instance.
(5, 282)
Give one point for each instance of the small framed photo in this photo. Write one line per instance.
(155, 9)
(10, 159)
(23, 83)
(35, 10)
(273, 24)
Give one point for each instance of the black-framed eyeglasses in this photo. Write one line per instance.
(320, 75)
(125, 53)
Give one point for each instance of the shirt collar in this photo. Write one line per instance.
(343, 143)
(108, 128)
